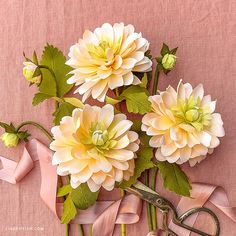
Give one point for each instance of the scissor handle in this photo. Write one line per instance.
(166, 206)
(180, 221)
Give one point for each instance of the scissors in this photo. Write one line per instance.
(167, 207)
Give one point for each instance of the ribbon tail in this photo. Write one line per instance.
(105, 223)
(201, 193)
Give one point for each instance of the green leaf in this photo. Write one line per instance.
(142, 163)
(48, 84)
(144, 81)
(165, 49)
(173, 51)
(65, 109)
(54, 59)
(75, 102)
(136, 125)
(144, 138)
(148, 54)
(8, 128)
(69, 210)
(136, 99)
(174, 178)
(35, 59)
(39, 97)
(83, 197)
(64, 190)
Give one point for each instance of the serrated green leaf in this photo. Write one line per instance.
(174, 178)
(69, 210)
(39, 97)
(64, 109)
(136, 99)
(54, 59)
(165, 49)
(75, 102)
(64, 190)
(144, 81)
(83, 197)
(142, 163)
(8, 128)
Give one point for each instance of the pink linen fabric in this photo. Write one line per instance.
(204, 30)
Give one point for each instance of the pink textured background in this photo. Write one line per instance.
(204, 31)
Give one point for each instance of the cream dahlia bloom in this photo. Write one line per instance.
(106, 59)
(183, 124)
(95, 147)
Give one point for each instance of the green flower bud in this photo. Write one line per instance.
(168, 61)
(10, 139)
(99, 137)
(192, 115)
(32, 73)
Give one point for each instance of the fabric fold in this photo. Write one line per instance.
(200, 194)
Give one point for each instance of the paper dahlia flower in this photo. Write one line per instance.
(95, 147)
(106, 59)
(183, 124)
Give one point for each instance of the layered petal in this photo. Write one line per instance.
(107, 58)
(183, 124)
(95, 146)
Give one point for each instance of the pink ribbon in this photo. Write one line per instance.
(108, 213)
(104, 214)
(201, 193)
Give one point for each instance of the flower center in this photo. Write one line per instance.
(106, 50)
(192, 115)
(191, 112)
(99, 137)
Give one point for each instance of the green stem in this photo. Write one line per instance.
(81, 230)
(149, 216)
(67, 229)
(153, 187)
(151, 210)
(40, 127)
(91, 230)
(155, 83)
(123, 226)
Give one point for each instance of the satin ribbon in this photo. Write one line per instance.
(104, 214)
(200, 194)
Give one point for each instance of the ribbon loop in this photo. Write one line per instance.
(105, 214)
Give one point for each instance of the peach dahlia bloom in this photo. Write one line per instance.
(95, 146)
(106, 59)
(183, 124)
